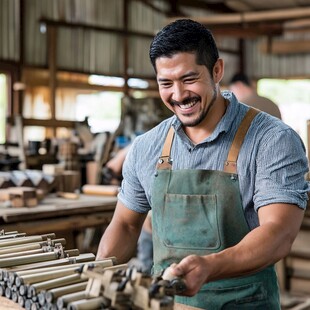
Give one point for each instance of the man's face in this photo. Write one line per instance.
(185, 87)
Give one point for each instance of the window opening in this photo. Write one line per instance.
(102, 109)
(293, 98)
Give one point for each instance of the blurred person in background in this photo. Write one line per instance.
(243, 89)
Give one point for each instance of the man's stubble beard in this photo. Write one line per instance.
(203, 114)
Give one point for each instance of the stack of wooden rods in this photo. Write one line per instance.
(37, 273)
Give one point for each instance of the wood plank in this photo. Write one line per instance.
(53, 206)
(7, 304)
(251, 17)
(55, 225)
(44, 123)
(281, 47)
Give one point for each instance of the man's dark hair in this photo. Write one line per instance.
(185, 35)
(240, 77)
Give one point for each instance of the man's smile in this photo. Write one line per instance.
(187, 103)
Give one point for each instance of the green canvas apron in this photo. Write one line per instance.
(200, 212)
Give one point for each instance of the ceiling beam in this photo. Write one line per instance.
(246, 31)
(220, 7)
(252, 17)
(124, 32)
(175, 6)
(154, 7)
(300, 24)
(282, 47)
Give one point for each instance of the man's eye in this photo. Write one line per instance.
(165, 85)
(189, 81)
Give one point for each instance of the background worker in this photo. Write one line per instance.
(245, 92)
(112, 171)
(221, 210)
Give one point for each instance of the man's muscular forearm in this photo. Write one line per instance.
(121, 236)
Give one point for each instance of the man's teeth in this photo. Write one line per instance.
(188, 105)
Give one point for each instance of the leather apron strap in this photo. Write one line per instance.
(165, 162)
(230, 165)
(231, 162)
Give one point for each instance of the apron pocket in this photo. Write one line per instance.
(250, 296)
(195, 222)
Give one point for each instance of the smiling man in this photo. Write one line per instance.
(223, 181)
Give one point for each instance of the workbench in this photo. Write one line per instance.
(57, 215)
(7, 304)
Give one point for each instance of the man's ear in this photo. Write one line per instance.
(218, 70)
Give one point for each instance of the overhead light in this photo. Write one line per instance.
(138, 83)
(117, 81)
(106, 80)
(43, 27)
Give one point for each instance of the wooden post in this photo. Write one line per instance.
(52, 65)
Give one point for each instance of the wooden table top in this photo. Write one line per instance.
(52, 207)
(7, 304)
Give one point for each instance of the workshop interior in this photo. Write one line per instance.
(76, 89)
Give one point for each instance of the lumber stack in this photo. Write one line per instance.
(37, 272)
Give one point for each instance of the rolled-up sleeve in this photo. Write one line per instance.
(281, 167)
(132, 194)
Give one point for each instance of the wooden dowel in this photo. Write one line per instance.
(10, 236)
(64, 300)
(31, 246)
(20, 248)
(22, 260)
(23, 253)
(21, 240)
(15, 296)
(21, 300)
(46, 285)
(71, 253)
(107, 262)
(4, 275)
(41, 298)
(8, 292)
(40, 277)
(35, 306)
(48, 236)
(23, 290)
(2, 289)
(28, 304)
(53, 294)
(87, 257)
(2, 232)
(25, 239)
(87, 304)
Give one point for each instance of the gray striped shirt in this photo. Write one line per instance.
(271, 163)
